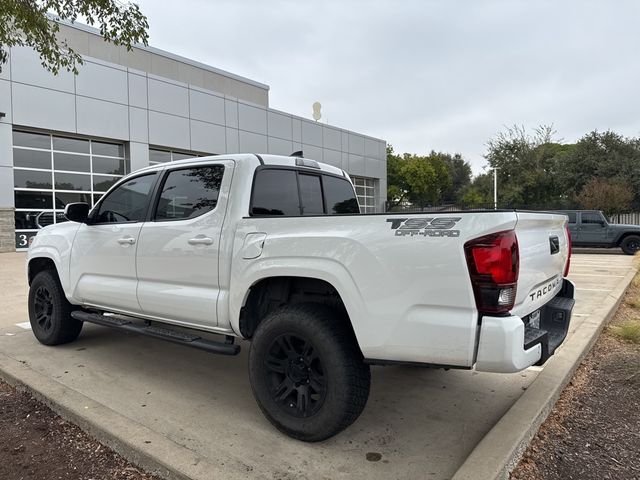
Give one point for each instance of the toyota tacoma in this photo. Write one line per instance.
(274, 250)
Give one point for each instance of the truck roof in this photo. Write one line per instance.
(262, 159)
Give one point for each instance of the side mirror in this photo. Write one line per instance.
(77, 212)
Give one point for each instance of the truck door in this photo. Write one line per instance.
(177, 259)
(103, 261)
(592, 229)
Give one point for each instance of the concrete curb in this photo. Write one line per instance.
(141, 446)
(500, 450)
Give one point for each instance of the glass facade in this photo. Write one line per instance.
(50, 171)
(366, 192)
(157, 155)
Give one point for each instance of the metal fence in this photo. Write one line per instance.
(437, 208)
(627, 218)
(632, 218)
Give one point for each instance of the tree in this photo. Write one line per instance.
(460, 173)
(479, 193)
(419, 180)
(604, 155)
(427, 178)
(396, 186)
(610, 196)
(31, 23)
(528, 167)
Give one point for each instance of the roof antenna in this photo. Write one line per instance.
(297, 154)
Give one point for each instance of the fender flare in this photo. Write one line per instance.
(330, 271)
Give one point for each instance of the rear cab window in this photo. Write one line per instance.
(296, 192)
(275, 192)
(339, 195)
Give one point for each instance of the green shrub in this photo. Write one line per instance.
(629, 330)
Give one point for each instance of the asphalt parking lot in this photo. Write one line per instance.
(195, 412)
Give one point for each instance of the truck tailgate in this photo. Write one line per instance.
(544, 250)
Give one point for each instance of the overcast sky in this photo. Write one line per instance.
(424, 75)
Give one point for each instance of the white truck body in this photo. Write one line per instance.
(406, 281)
(409, 298)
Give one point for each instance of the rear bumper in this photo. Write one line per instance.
(510, 344)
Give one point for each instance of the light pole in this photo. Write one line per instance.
(495, 187)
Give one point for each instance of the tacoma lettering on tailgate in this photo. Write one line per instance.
(543, 290)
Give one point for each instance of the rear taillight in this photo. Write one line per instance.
(566, 267)
(494, 262)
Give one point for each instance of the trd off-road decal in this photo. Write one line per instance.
(427, 227)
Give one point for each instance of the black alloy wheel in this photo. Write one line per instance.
(50, 311)
(631, 244)
(307, 372)
(43, 308)
(296, 377)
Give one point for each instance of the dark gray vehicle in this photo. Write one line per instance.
(590, 228)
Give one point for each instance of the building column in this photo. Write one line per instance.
(138, 155)
(7, 218)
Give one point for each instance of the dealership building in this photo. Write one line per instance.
(68, 138)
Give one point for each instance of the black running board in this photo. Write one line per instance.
(181, 338)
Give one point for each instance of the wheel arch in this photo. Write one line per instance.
(39, 264)
(272, 292)
(625, 235)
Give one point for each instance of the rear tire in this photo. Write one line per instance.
(307, 373)
(50, 312)
(631, 244)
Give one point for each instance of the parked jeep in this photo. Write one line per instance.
(590, 228)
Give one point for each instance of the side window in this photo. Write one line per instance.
(339, 196)
(275, 192)
(311, 194)
(127, 203)
(572, 216)
(591, 218)
(189, 192)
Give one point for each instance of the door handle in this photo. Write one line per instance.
(126, 241)
(201, 241)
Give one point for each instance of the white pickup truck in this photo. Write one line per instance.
(274, 250)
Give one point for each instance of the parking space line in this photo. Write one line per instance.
(594, 289)
(25, 325)
(602, 265)
(594, 275)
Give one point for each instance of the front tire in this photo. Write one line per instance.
(50, 312)
(631, 244)
(307, 373)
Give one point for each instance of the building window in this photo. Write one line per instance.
(50, 171)
(157, 155)
(366, 192)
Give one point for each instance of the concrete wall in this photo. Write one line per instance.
(87, 41)
(115, 102)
